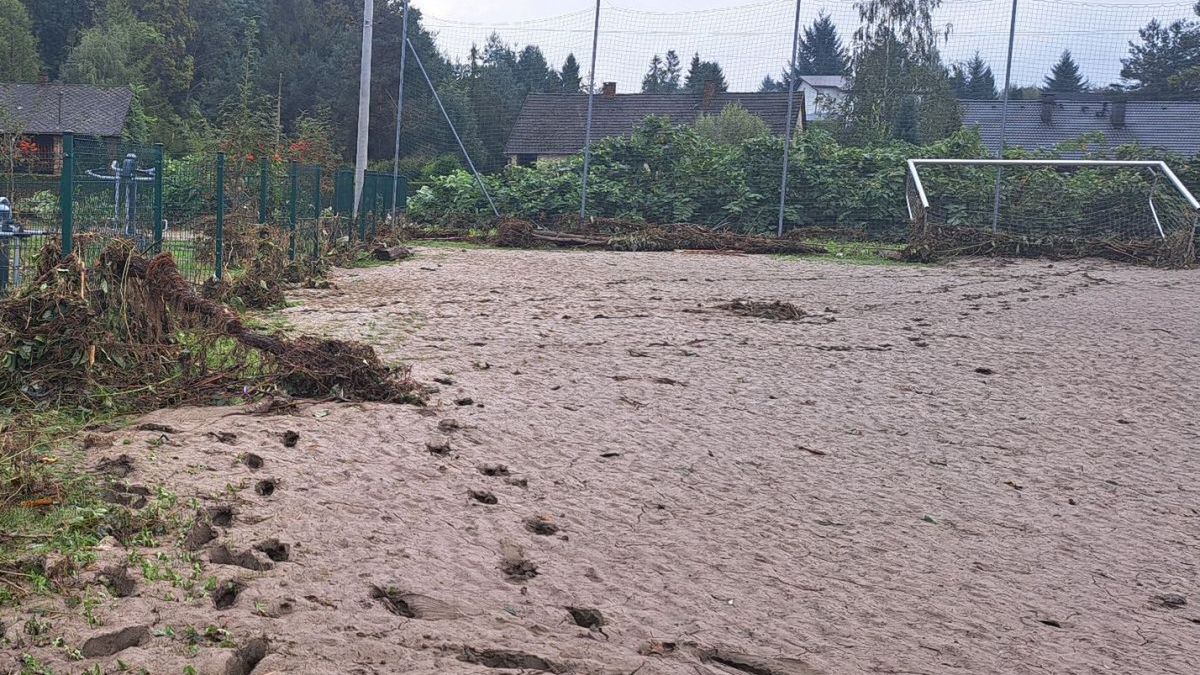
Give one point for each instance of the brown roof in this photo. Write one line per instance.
(555, 124)
(61, 108)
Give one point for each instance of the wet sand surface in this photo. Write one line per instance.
(986, 467)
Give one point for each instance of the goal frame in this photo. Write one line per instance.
(1155, 167)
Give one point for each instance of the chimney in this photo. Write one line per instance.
(43, 79)
(710, 92)
(610, 90)
(1048, 108)
(1118, 115)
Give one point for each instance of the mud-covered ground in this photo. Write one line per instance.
(986, 467)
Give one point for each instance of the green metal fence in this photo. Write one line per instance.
(202, 208)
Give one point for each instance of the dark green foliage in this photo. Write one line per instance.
(702, 73)
(1065, 77)
(907, 125)
(57, 24)
(663, 76)
(821, 53)
(19, 60)
(888, 76)
(569, 78)
(975, 81)
(1166, 64)
(666, 174)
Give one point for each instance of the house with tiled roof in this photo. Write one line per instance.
(554, 126)
(42, 113)
(1169, 126)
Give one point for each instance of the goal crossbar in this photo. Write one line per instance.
(1155, 167)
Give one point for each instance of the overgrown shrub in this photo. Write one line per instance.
(665, 173)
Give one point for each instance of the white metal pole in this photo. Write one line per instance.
(587, 137)
(1012, 35)
(364, 104)
(787, 136)
(399, 110)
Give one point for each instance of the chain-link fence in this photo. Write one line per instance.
(682, 116)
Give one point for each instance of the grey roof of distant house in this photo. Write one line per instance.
(825, 81)
(61, 108)
(555, 124)
(1173, 126)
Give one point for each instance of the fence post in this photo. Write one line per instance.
(66, 197)
(219, 236)
(293, 198)
(159, 168)
(360, 211)
(317, 211)
(264, 189)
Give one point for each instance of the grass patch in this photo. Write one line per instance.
(50, 509)
(448, 245)
(854, 252)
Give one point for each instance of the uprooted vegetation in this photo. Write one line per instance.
(777, 310)
(85, 342)
(130, 330)
(930, 242)
(613, 235)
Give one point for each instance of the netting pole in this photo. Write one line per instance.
(159, 164)
(264, 189)
(787, 134)
(317, 211)
(219, 235)
(399, 110)
(293, 207)
(66, 197)
(364, 102)
(587, 134)
(438, 99)
(1012, 35)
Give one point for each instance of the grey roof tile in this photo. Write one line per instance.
(1173, 126)
(61, 108)
(555, 124)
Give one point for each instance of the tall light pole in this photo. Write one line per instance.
(364, 105)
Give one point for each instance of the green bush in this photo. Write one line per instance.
(664, 173)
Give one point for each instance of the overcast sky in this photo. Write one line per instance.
(752, 39)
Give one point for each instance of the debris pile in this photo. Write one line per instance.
(777, 310)
(617, 235)
(930, 242)
(130, 332)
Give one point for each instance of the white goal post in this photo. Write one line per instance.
(1157, 169)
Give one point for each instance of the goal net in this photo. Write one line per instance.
(1124, 210)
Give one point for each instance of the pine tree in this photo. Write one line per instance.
(655, 78)
(19, 60)
(572, 83)
(701, 73)
(1164, 64)
(674, 71)
(1065, 77)
(821, 50)
(981, 83)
